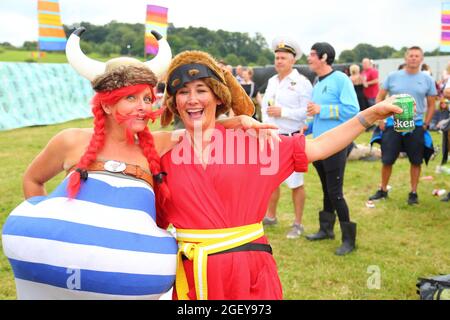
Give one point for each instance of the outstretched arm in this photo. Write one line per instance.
(341, 136)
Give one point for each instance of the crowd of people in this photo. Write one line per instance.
(284, 106)
(432, 109)
(211, 181)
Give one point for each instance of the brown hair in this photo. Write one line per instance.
(413, 48)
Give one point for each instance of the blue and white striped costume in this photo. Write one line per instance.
(104, 244)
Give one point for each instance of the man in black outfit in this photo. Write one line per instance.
(334, 102)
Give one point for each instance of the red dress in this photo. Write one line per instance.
(226, 195)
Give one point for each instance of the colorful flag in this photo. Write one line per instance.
(445, 26)
(156, 20)
(51, 31)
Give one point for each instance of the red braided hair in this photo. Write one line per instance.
(95, 145)
(98, 140)
(147, 145)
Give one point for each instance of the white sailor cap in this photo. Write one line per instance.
(287, 44)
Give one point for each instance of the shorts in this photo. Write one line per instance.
(392, 143)
(295, 180)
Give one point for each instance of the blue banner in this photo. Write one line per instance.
(41, 94)
(52, 45)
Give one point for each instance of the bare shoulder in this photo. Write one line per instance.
(63, 148)
(166, 140)
(71, 137)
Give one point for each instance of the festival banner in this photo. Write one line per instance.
(51, 31)
(156, 20)
(445, 26)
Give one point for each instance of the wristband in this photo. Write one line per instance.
(363, 121)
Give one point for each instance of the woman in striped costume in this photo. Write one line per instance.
(95, 235)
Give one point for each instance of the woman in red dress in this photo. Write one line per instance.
(221, 181)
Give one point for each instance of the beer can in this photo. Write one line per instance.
(404, 122)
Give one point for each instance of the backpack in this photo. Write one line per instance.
(434, 288)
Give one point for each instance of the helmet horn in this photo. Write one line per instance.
(160, 63)
(84, 65)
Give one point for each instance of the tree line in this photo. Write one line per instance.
(118, 38)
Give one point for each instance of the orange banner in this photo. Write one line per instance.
(48, 6)
(50, 32)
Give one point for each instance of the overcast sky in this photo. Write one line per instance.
(343, 23)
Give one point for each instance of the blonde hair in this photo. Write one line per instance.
(249, 70)
(354, 69)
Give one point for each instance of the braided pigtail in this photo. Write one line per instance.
(95, 145)
(148, 148)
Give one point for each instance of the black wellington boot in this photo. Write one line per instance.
(326, 222)
(348, 238)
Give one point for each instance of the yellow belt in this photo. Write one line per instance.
(196, 245)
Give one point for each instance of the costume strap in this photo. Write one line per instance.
(121, 167)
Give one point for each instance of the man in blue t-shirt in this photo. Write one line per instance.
(334, 102)
(412, 81)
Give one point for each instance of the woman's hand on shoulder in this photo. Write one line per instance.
(166, 140)
(264, 132)
(245, 122)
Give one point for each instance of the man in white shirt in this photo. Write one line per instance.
(284, 104)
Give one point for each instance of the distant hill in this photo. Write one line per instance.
(119, 39)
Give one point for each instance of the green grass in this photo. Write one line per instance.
(25, 56)
(403, 242)
(49, 57)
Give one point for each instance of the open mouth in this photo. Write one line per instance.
(140, 117)
(195, 114)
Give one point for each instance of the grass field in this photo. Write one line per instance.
(49, 57)
(399, 241)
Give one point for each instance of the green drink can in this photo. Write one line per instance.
(404, 122)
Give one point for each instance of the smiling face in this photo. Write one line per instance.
(196, 104)
(314, 61)
(132, 110)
